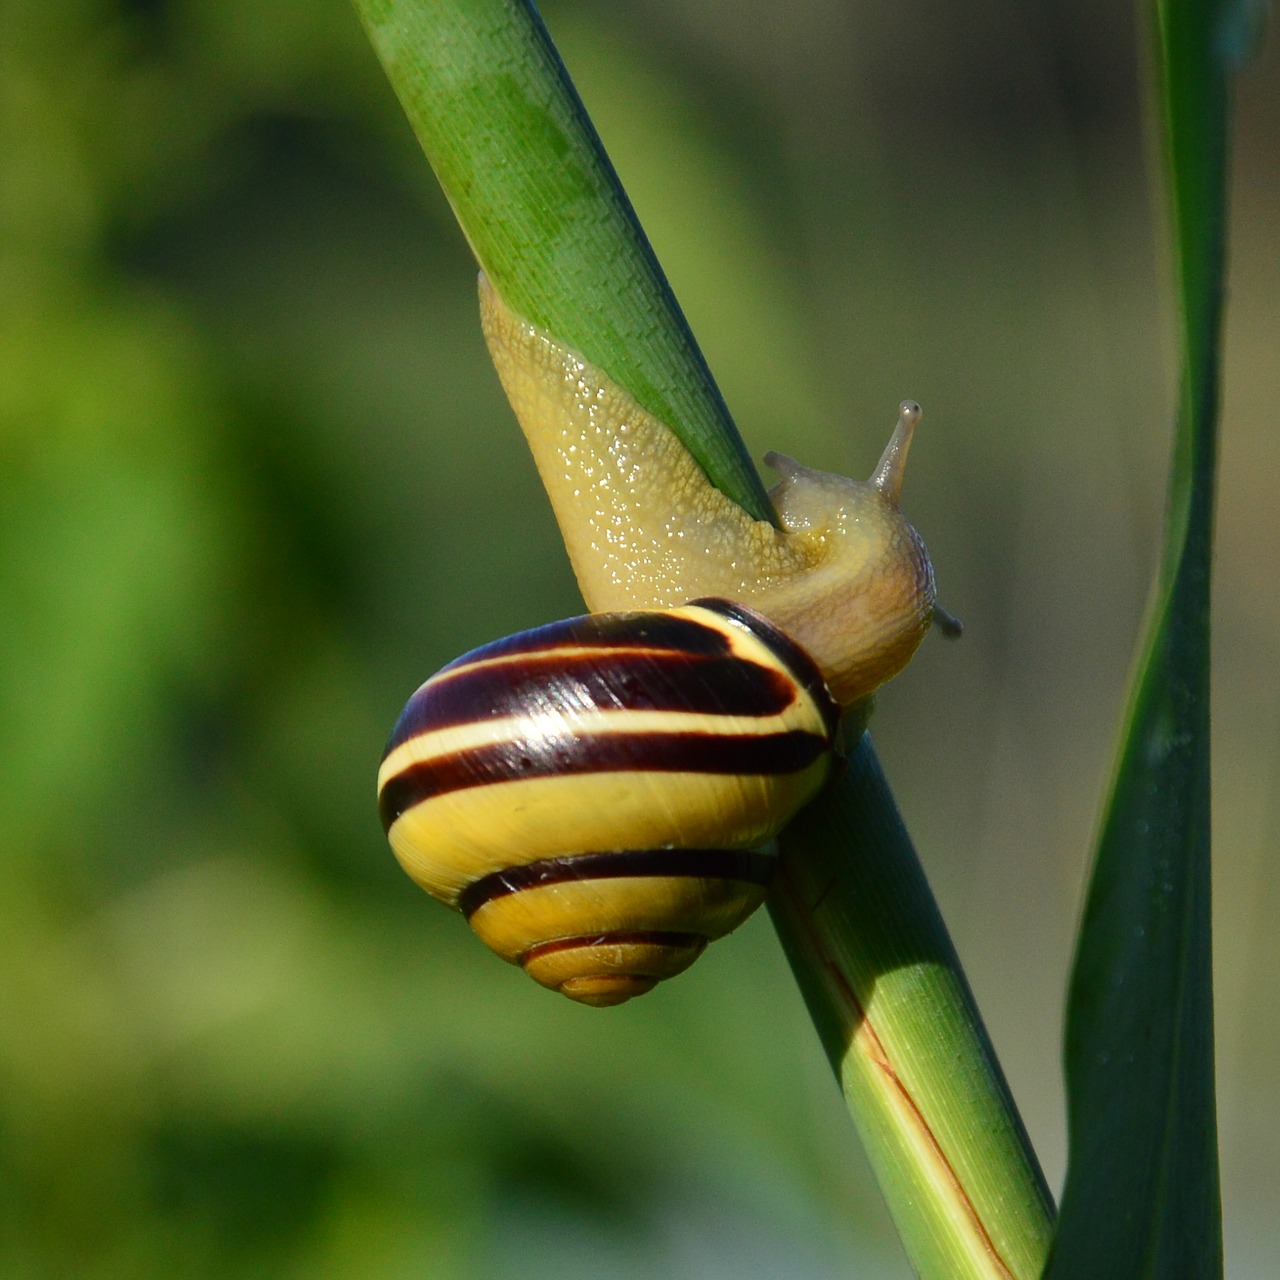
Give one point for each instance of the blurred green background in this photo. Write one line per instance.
(257, 480)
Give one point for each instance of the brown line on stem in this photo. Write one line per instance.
(872, 1048)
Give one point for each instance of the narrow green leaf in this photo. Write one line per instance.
(545, 214)
(1142, 1195)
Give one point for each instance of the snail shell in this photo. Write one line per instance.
(593, 795)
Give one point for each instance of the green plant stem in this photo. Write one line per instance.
(543, 211)
(898, 1021)
(545, 214)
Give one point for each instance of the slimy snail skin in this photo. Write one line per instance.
(845, 575)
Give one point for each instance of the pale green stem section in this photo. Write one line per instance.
(544, 213)
(898, 1021)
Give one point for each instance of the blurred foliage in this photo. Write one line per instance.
(1142, 1196)
(257, 480)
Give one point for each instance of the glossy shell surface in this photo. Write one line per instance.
(593, 795)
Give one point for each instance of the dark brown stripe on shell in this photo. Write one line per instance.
(652, 628)
(772, 753)
(792, 656)
(748, 865)
(638, 938)
(641, 680)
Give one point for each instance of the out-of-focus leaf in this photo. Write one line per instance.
(1142, 1195)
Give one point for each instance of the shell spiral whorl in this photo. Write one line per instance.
(592, 794)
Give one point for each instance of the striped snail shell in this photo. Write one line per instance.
(593, 795)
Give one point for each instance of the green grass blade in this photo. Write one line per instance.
(544, 212)
(1142, 1196)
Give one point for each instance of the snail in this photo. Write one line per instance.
(598, 796)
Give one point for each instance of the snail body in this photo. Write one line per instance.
(598, 796)
(842, 573)
(593, 795)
